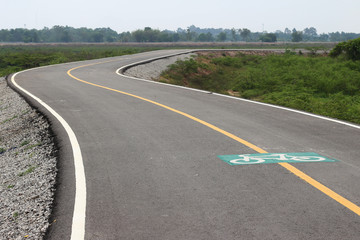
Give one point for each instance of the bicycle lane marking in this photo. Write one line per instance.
(266, 158)
(327, 191)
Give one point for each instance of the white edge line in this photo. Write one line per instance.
(118, 72)
(78, 221)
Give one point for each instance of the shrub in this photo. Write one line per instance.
(351, 49)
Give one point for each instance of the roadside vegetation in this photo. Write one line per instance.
(320, 84)
(17, 58)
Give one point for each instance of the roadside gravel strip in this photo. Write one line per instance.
(152, 70)
(28, 163)
(27, 168)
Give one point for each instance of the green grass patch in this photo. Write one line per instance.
(29, 170)
(2, 150)
(32, 146)
(317, 84)
(25, 112)
(9, 119)
(25, 142)
(15, 215)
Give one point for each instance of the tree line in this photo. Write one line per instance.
(190, 34)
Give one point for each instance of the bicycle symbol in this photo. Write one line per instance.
(276, 157)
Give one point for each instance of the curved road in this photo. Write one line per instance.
(149, 154)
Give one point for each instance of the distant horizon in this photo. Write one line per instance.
(174, 30)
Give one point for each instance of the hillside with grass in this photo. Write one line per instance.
(319, 84)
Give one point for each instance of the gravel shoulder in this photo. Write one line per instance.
(27, 168)
(152, 70)
(28, 160)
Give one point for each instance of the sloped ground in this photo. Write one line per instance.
(27, 168)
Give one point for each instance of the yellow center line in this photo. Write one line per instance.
(343, 201)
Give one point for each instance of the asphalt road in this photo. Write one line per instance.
(152, 173)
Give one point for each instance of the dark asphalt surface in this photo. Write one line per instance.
(154, 174)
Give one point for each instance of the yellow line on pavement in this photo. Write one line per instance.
(294, 170)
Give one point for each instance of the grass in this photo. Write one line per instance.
(317, 84)
(32, 146)
(9, 119)
(2, 150)
(25, 142)
(29, 170)
(17, 58)
(16, 215)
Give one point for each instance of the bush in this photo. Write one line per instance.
(351, 49)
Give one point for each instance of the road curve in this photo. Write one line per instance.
(151, 171)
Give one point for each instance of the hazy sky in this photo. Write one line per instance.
(324, 15)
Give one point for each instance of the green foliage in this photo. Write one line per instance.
(268, 37)
(351, 49)
(321, 85)
(2, 150)
(32, 146)
(25, 142)
(208, 37)
(69, 34)
(297, 36)
(245, 34)
(222, 37)
(9, 119)
(27, 171)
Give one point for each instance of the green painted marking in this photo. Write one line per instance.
(263, 158)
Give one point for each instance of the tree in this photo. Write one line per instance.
(268, 37)
(287, 31)
(188, 34)
(31, 36)
(65, 37)
(297, 36)
(208, 37)
(245, 34)
(310, 33)
(97, 37)
(221, 37)
(324, 37)
(351, 49)
(126, 37)
(233, 35)
(138, 35)
(175, 37)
